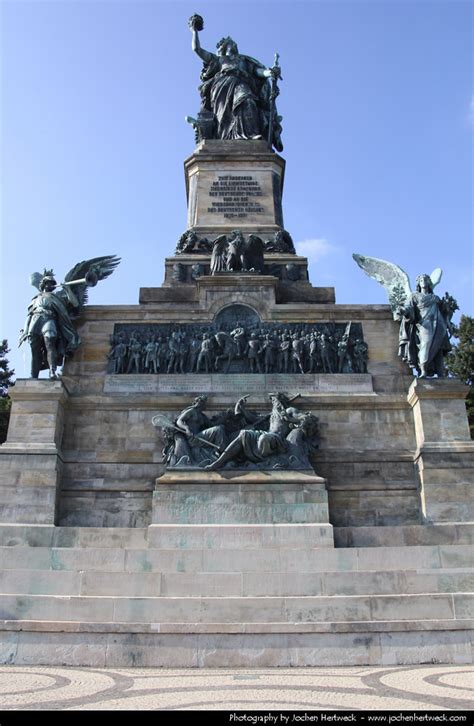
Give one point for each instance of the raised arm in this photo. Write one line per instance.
(205, 55)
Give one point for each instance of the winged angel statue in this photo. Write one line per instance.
(425, 319)
(49, 324)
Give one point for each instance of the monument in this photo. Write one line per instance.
(237, 471)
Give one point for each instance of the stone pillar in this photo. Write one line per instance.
(445, 451)
(30, 459)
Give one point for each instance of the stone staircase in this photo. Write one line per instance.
(181, 595)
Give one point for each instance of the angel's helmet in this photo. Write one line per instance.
(47, 282)
(424, 280)
(227, 46)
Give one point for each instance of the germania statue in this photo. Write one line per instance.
(237, 97)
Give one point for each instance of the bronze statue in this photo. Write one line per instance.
(237, 100)
(234, 253)
(425, 319)
(240, 438)
(49, 324)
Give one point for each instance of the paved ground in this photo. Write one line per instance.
(363, 688)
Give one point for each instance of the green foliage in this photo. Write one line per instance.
(460, 362)
(6, 380)
(5, 406)
(6, 375)
(397, 297)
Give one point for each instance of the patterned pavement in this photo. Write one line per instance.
(364, 688)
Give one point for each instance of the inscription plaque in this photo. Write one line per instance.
(239, 383)
(235, 196)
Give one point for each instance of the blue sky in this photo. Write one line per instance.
(377, 112)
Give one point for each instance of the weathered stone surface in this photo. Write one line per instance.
(236, 650)
(211, 170)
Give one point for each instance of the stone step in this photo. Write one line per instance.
(241, 536)
(234, 645)
(288, 560)
(233, 584)
(34, 535)
(399, 536)
(224, 513)
(170, 536)
(428, 607)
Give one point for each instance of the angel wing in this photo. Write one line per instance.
(98, 268)
(390, 276)
(436, 276)
(219, 247)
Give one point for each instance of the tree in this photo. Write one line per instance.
(460, 362)
(6, 380)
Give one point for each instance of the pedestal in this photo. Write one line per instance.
(30, 460)
(234, 185)
(271, 508)
(445, 453)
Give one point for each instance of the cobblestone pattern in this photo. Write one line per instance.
(413, 688)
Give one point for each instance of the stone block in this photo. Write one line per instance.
(239, 536)
(409, 648)
(278, 584)
(12, 535)
(426, 534)
(76, 558)
(419, 582)
(327, 609)
(240, 513)
(28, 491)
(242, 651)
(39, 582)
(396, 558)
(456, 556)
(123, 584)
(25, 558)
(318, 560)
(50, 607)
(201, 584)
(163, 561)
(464, 605)
(362, 583)
(8, 648)
(152, 651)
(62, 649)
(439, 410)
(412, 607)
(244, 560)
(322, 649)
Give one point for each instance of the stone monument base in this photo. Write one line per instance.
(230, 595)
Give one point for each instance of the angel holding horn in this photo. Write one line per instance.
(425, 318)
(49, 326)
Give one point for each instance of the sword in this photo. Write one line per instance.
(273, 94)
(161, 421)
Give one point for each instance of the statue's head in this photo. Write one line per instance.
(48, 283)
(200, 401)
(227, 46)
(423, 282)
